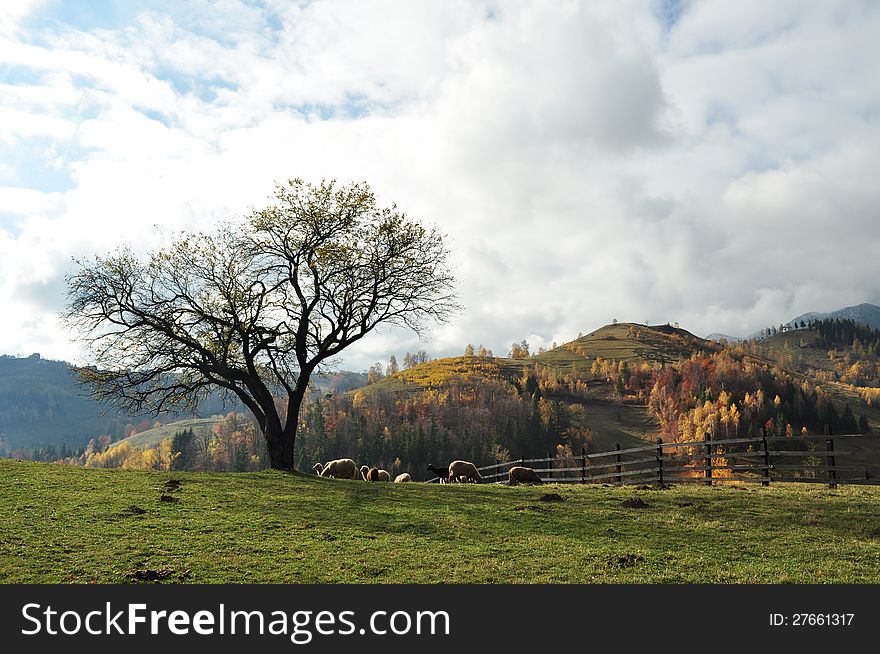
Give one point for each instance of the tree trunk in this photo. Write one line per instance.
(280, 441)
(280, 445)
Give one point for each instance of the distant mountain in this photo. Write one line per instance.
(339, 382)
(866, 314)
(716, 336)
(42, 403)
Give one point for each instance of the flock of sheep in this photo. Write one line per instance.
(458, 472)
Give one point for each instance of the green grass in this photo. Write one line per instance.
(60, 524)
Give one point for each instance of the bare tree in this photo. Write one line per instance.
(257, 306)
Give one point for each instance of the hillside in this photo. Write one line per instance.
(619, 385)
(152, 437)
(628, 342)
(41, 403)
(619, 342)
(607, 418)
(70, 525)
(865, 314)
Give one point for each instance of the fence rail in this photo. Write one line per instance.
(712, 460)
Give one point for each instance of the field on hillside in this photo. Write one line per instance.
(627, 342)
(60, 524)
(152, 437)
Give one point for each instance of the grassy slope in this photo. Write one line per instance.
(806, 358)
(152, 437)
(60, 524)
(621, 342)
(611, 422)
(627, 342)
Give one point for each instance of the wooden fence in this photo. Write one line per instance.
(763, 459)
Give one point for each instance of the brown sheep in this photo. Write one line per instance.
(522, 475)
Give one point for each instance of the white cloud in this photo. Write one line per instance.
(587, 160)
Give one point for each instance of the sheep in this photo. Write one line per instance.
(364, 470)
(440, 472)
(376, 474)
(402, 478)
(338, 468)
(522, 475)
(466, 469)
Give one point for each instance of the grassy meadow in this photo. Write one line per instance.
(72, 525)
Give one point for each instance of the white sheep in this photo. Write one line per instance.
(338, 468)
(402, 478)
(466, 469)
(523, 475)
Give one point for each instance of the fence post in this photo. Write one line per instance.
(549, 466)
(660, 461)
(708, 440)
(497, 469)
(619, 478)
(583, 465)
(766, 471)
(829, 460)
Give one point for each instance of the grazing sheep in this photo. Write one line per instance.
(522, 475)
(364, 471)
(318, 468)
(440, 472)
(466, 469)
(339, 469)
(402, 478)
(376, 474)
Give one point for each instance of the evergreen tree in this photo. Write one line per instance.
(183, 450)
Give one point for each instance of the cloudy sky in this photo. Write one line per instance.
(708, 163)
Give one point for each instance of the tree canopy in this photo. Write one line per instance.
(256, 306)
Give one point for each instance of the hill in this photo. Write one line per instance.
(864, 314)
(717, 336)
(41, 403)
(72, 525)
(152, 437)
(628, 342)
(339, 382)
(618, 342)
(621, 384)
(608, 419)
